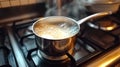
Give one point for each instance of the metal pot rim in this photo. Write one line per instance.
(74, 21)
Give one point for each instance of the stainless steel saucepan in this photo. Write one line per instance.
(56, 35)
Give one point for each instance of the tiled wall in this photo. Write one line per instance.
(11, 3)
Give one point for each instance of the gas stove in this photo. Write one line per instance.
(18, 47)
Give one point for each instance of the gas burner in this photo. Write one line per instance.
(105, 24)
(52, 60)
(63, 57)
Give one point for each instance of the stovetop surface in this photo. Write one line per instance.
(90, 43)
(83, 50)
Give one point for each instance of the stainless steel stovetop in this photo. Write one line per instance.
(18, 47)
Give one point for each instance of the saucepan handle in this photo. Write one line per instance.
(94, 16)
